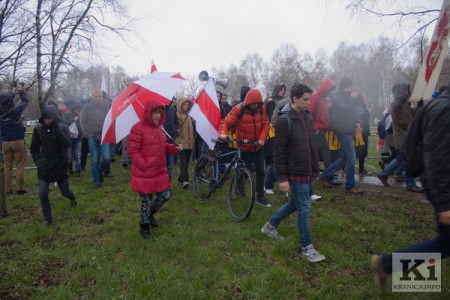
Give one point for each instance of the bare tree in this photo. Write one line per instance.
(285, 66)
(16, 35)
(252, 68)
(236, 80)
(415, 15)
(64, 30)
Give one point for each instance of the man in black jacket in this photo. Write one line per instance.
(435, 180)
(49, 145)
(296, 163)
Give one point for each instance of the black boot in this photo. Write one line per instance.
(153, 222)
(145, 231)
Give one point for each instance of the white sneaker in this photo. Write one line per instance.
(312, 254)
(316, 198)
(271, 231)
(268, 191)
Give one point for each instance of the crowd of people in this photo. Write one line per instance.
(306, 125)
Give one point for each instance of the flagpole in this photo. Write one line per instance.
(109, 77)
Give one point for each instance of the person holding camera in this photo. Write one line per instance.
(13, 139)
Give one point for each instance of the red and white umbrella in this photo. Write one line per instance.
(128, 107)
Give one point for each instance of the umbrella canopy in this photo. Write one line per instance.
(127, 108)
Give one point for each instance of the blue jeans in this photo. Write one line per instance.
(75, 154)
(396, 164)
(347, 159)
(170, 163)
(299, 201)
(270, 177)
(98, 166)
(441, 244)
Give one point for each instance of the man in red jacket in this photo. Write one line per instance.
(147, 148)
(251, 124)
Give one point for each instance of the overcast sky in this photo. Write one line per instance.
(188, 36)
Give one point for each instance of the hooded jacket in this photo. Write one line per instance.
(11, 127)
(319, 104)
(185, 136)
(147, 148)
(272, 101)
(49, 146)
(401, 111)
(254, 125)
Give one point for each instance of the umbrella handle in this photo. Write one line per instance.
(171, 138)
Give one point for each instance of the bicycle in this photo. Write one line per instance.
(207, 178)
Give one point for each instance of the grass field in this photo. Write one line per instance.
(95, 251)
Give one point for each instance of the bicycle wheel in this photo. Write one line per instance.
(241, 194)
(202, 178)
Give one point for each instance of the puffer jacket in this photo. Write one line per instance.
(185, 136)
(295, 150)
(49, 146)
(319, 104)
(147, 148)
(254, 125)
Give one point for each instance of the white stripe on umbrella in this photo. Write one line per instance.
(128, 107)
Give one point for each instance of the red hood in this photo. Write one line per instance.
(324, 87)
(150, 106)
(253, 96)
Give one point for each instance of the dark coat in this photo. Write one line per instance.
(49, 146)
(295, 150)
(343, 113)
(11, 127)
(436, 143)
(171, 123)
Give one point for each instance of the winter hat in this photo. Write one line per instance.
(345, 82)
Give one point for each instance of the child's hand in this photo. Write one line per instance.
(180, 148)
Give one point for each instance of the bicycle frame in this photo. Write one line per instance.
(220, 179)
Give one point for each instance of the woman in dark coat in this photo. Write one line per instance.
(49, 145)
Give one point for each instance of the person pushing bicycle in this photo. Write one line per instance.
(249, 121)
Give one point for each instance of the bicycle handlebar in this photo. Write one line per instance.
(230, 140)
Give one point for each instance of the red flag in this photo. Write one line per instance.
(153, 67)
(206, 113)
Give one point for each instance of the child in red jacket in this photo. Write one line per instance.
(147, 148)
